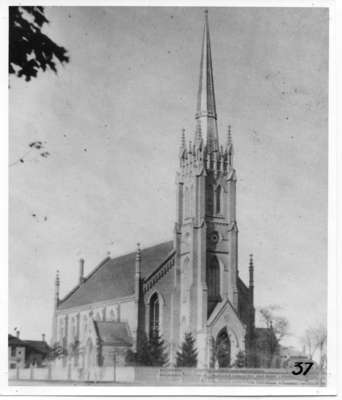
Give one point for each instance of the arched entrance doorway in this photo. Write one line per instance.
(223, 349)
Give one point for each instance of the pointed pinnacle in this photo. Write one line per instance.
(251, 261)
(183, 139)
(206, 108)
(229, 135)
(138, 255)
(198, 134)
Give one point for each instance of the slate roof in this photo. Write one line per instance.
(36, 345)
(263, 335)
(114, 277)
(14, 341)
(242, 288)
(113, 333)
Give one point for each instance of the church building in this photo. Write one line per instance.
(188, 284)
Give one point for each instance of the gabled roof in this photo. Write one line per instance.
(113, 333)
(38, 345)
(114, 277)
(264, 334)
(14, 341)
(242, 288)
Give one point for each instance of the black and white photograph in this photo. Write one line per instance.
(168, 197)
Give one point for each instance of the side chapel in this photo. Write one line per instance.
(189, 284)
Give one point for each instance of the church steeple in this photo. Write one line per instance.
(206, 123)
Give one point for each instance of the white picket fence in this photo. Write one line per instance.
(166, 376)
(58, 373)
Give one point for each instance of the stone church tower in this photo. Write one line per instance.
(206, 233)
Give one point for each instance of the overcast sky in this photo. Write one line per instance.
(111, 120)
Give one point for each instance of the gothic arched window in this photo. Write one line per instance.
(154, 314)
(186, 202)
(209, 198)
(218, 199)
(213, 282)
(191, 201)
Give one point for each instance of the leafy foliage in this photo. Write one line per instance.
(30, 50)
(212, 360)
(240, 359)
(57, 351)
(151, 352)
(187, 357)
(156, 348)
(278, 324)
(223, 355)
(131, 358)
(268, 340)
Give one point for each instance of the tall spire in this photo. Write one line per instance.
(57, 285)
(251, 279)
(206, 123)
(182, 146)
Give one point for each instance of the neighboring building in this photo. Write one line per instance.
(191, 283)
(290, 355)
(16, 352)
(267, 348)
(23, 353)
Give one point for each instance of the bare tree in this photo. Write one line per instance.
(320, 340)
(308, 342)
(276, 329)
(279, 324)
(315, 340)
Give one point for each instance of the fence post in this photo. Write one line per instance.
(31, 372)
(69, 371)
(17, 371)
(49, 371)
(114, 365)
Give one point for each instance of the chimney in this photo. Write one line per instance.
(43, 337)
(251, 278)
(81, 271)
(18, 333)
(138, 272)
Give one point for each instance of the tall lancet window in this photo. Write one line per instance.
(186, 203)
(218, 199)
(191, 201)
(213, 282)
(154, 314)
(209, 197)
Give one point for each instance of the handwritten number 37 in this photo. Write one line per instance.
(301, 370)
